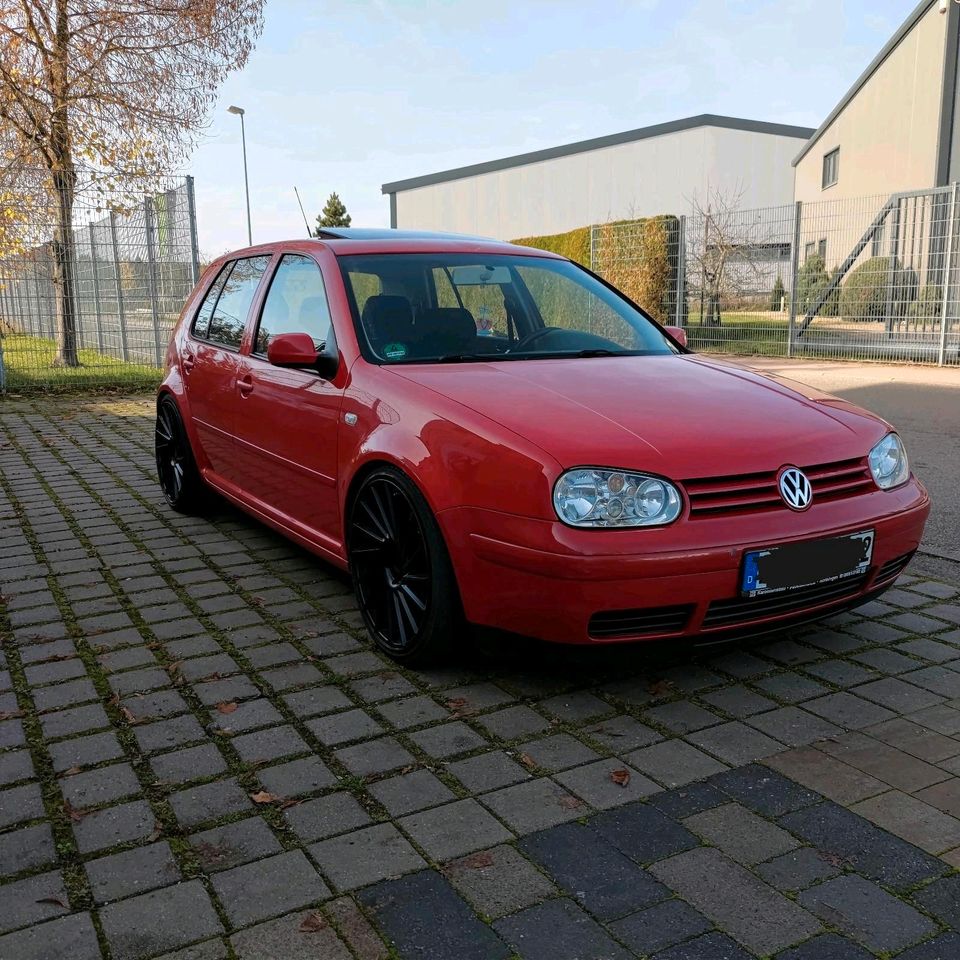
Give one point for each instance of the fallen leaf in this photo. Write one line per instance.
(527, 761)
(226, 707)
(72, 812)
(457, 704)
(661, 688)
(263, 797)
(72, 771)
(54, 901)
(129, 716)
(292, 802)
(570, 803)
(478, 860)
(10, 714)
(174, 667)
(620, 777)
(312, 923)
(157, 831)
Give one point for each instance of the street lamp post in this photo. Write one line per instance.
(239, 111)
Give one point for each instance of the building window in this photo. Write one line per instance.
(831, 168)
(809, 250)
(822, 249)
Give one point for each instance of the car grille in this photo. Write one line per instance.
(893, 568)
(722, 613)
(633, 623)
(751, 492)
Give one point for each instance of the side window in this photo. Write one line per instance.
(201, 322)
(230, 315)
(364, 286)
(296, 303)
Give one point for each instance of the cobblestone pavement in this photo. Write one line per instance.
(201, 757)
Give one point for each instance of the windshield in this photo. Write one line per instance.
(451, 307)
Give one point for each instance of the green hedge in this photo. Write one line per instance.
(867, 292)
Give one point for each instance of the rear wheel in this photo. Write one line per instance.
(176, 469)
(402, 574)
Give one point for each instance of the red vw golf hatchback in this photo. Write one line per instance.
(489, 433)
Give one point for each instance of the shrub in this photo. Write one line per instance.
(812, 278)
(777, 295)
(868, 294)
(929, 305)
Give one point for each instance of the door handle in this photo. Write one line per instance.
(245, 385)
(188, 361)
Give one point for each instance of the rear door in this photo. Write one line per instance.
(210, 359)
(287, 422)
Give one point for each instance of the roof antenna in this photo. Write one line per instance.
(302, 214)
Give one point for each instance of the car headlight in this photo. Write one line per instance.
(888, 462)
(588, 497)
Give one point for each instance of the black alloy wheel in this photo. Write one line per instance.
(176, 468)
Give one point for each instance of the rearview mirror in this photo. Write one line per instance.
(479, 275)
(296, 350)
(678, 334)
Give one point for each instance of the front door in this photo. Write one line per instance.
(287, 419)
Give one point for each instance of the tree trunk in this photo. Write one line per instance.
(64, 266)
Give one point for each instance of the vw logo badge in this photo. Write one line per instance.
(795, 488)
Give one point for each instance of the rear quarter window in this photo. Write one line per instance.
(201, 322)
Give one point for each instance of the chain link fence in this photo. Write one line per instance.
(134, 259)
(872, 278)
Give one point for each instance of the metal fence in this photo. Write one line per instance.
(873, 278)
(135, 259)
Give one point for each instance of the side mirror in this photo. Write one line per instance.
(297, 350)
(678, 334)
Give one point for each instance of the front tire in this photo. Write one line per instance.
(402, 574)
(177, 470)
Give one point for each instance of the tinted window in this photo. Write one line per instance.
(831, 168)
(295, 303)
(230, 315)
(201, 322)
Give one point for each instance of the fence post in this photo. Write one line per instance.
(947, 270)
(195, 246)
(121, 318)
(794, 270)
(681, 311)
(152, 276)
(96, 288)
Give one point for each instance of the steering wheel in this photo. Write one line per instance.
(532, 338)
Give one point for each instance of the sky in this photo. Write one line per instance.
(345, 96)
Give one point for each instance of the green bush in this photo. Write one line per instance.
(869, 295)
(929, 305)
(777, 295)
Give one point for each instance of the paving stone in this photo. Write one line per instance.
(865, 911)
(558, 930)
(296, 777)
(40, 897)
(356, 930)
(213, 692)
(64, 694)
(873, 852)
(194, 763)
(741, 664)
(375, 756)
(674, 763)
(268, 887)
(534, 805)
(576, 707)
(246, 715)
(741, 834)
(473, 697)
(209, 801)
(622, 733)
(498, 881)
(940, 679)
(942, 899)
(735, 743)
(26, 849)
(316, 701)
(44, 673)
(833, 778)
(922, 624)
(887, 661)
(512, 722)
(832, 641)
(793, 726)
(410, 792)
(929, 649)
(365, 856)
(423, 917)
(756, 915)
(738, 701)
(159, 921)
(488, 771)
(69, 938)
(288, 938)
(66, 723)
(133, 871)
(848, 711)
(448, 739)
(944, 796)
(682, 802)
(273, 743)
(602, 785)
(791, 687)
(84, 751)
(643, 833)
(897, 695)
(166, 734)
(910, 818)
(558, 752)
(893, 766)
(412, 712)
(233, 844)
(139, 681)
(454, 829)
(711, 946)
(943, 718)
(154, 706)
(828, 946)
(344, 727)
(15, 765)
(386, 685)
(326, 816)
(112, 825)
(944, 947)
(18, 804)
(797, 870)
(764, 791)
(591, 869)
(682, 716)
(355, 663)
(916, 740)
(660, 926)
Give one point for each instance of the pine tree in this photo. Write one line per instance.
(334, 214)
(776, 297)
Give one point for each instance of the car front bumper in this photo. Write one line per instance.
(544, 579)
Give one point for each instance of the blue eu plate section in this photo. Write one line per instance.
(806, 564)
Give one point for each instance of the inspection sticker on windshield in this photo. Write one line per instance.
(395, 351)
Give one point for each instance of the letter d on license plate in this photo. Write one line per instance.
(806, 564)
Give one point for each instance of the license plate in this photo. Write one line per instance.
(806, 564)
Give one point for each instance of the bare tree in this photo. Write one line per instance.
(114, 88)
(730, 250)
